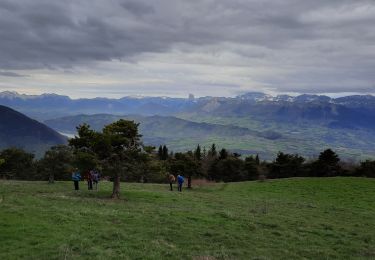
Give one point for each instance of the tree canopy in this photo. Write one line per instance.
(115, 149)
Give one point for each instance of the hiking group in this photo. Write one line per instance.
(92, 177)
(180, 181)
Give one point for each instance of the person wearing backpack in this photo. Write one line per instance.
(88, 177)
(96, 178)
(171, 180)
(180, 180)
(76, 177)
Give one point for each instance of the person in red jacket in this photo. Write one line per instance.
(89, 177)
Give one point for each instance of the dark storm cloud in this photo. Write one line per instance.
(10, 74)
(137, 8)
(302, 35)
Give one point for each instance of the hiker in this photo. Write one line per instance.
(89, 179)
(180, 180)
(95, 179)
(76, 177)
(171, 180)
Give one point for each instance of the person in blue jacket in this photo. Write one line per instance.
(180, 180)
(76, 177)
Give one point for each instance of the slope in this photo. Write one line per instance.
(18, 130)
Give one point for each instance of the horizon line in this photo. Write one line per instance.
(193, 96)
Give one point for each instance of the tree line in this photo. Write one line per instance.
(117, 152)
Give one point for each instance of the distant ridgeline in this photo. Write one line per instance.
(18, 130)
(253, 123)
(349, 112)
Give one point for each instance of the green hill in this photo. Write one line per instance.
(18, 130)
(243, 135)
(279, 219)
(177, 133)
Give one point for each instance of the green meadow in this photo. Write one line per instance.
(311, 218)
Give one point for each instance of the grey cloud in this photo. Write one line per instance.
(137, 8)
(68, 33)
(11, 74)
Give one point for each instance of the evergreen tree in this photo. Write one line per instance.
(187, 165)
(227, 170)
(251, 168)
(329, 157)
(204, 152)
(116, 148)
(160, 153)
(212, 151)
(17, 164)
(367, 168)
(223, 154)
(327, 164)
(57, 163)
(257, 161)
(197, 153)
(165, 153)
(286, 165)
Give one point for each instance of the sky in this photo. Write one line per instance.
(115, 48)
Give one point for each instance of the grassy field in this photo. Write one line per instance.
(278, 219)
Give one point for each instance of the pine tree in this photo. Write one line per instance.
(223, 154)
(160, 153)
(118, 149)
(197, 153)
(257, 162)
(165, 153)
(204, 152)
(212, 151)
(327, 164)
(329, 157)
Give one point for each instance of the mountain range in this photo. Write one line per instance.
(344, 112)
(249, 123)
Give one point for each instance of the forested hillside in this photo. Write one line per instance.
(18, 130)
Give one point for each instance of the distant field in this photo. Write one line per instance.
(278, 219)
(244, 135)
(303, 138)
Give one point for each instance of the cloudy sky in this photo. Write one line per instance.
(115, 48)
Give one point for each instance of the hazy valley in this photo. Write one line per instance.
(253, 123)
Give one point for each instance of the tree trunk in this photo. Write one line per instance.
(116, 188)
(51, 178)
(189, 182)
